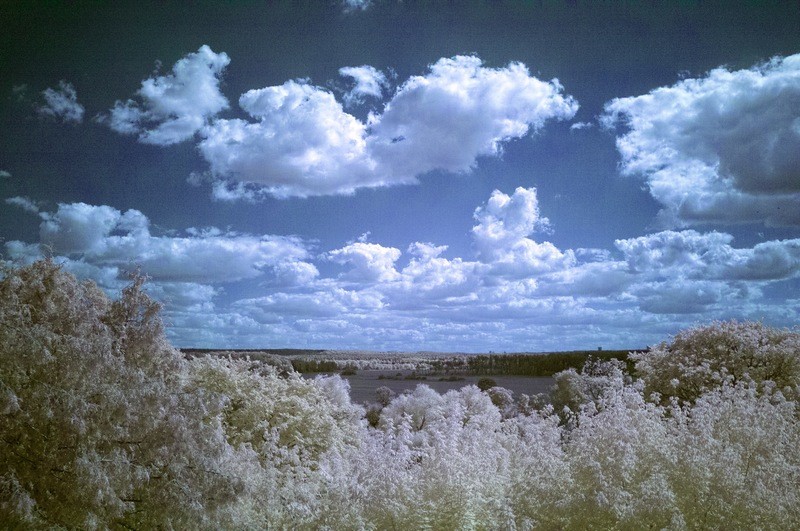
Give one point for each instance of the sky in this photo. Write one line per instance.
(407, 176)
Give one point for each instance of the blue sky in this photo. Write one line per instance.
(387, 175)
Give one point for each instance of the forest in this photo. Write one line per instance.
(103, 424)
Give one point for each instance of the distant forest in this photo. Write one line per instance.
(540, 364)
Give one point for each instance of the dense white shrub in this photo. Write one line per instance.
(574, 389)
(286, 425)
(702, 358)
(738, 466)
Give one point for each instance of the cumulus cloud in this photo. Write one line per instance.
(171, 108)
(500, 298)
(106, 237)
(62, 104)
(432, 277)
(331, 302)
(501, 235)
(461, 110)
(602, 278)
(368, 82)
(723, 148)
(5, 174)
(664, 281)
(301, 142)
(684, 296)
(369, 262)
(691, 254)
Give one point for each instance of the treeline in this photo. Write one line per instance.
(519, 364)
(542, 365)
(274, 351)
(312, 365)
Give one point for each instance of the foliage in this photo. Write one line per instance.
(701, 358)
(484, 384)
(540, 365)
(96, 427)
(574, 389)
(312, 365)
(104, 425)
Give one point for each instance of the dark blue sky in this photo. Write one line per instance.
(411, 176)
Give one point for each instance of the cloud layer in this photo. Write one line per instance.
(514, 293)
(108, 238)
(299, 140)
(724, 148)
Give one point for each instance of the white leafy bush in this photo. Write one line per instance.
(596, 378)
(702, 358)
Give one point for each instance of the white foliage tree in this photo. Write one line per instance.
(702, 358)
(97, 430)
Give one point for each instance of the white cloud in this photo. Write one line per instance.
(333, 301)
(351, 6)
(303, 143)
(367, 82)
(691, 272)
(104, 236)
(431, 277)
(172, 108)
(724, 148)
(24, 203)
(690, 254)
(577, 126)
(188, 296)
(5, 174)
(459, 111)
(370, 262)
(606, 278)
(62, 104)
(501, 235)
(499, 299)
(683, 296)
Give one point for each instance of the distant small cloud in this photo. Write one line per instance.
(20, 92)
(351, 6)
(62, 104)
(577, 126)
(24, 203)
(5, 174)
(369, 82)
